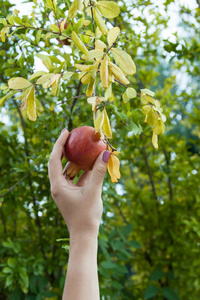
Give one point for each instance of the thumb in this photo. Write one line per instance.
(99, 169)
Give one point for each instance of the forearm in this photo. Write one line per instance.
(82, 278)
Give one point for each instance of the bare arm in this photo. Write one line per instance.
(81, 207)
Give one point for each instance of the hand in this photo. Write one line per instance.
(80, 204)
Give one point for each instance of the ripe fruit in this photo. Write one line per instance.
(82, 149)
(66, 41)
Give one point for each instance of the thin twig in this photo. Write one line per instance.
(75, 97)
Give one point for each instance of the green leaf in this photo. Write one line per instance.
(3, 21)
(46, 60)
(124, 61)
(169, 294)
(17, 20)
(151, 292)
(18, 83)
(108, 265)
(156, 275)
(50, 4)
(77, 41)
(7, 270)
(37, 74)
(67, 75)
(73, 9)
(147, 92)
(109, 9)
(135, 244)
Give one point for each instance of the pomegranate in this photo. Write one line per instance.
(82, 148)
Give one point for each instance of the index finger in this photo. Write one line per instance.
(55, 161)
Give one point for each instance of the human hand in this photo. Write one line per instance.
(80, 204)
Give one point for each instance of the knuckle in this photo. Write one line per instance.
(101, 170)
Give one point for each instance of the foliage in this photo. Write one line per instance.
(148, 241)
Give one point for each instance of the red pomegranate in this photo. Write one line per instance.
(82, 148)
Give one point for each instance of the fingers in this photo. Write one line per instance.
(55, 160)
(98, 172)
(83, 179)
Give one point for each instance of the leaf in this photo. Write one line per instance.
(7, 270)
(147, 92)
(4, 30)
(112, 35)
(108, 265)
(108, 93)
(156, 275)
(83, 67)
(45, 80)
(124, 61)
(37, 74)
(77, 41)
(55, 79)
(169, 294)
(129, 94)
(155, 140)
(31, 106)
(18, 83)
(104, 71)
(145, 99)
(117, 72)
(113, 168)
(94, 54)
(100, 45)
(98, 122)
(109, 9)
(6, 97)
(159, 128)
(100, 21)
(45, 60)
(67, 75)
(51, 4)
(86, 78)
(135, 244)
(3, 21)
(151, 292)
(73, 10)
(90, 87)
(24, 98)
(106, 125)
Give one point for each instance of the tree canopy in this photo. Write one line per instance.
(121, 67)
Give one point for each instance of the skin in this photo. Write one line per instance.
(81, 207)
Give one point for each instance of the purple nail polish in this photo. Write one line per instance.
(63, 130)
(106, 156)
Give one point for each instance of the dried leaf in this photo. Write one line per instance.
(124, 61)
(112, 35)
(113, 168)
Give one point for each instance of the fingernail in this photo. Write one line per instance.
(106, 156)
(63, 130)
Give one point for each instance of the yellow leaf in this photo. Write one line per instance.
(86, 2)
(83, 67)
(106, 125)
(159, 128)
(55, 84)
(109, 9)
(108, 93)
(117, 72)
(73, 9)
(100, 21)
(100, 45)
(67, 75)
(145, 99)
(94, 54)
(90, 87)
(94, 101)
(155, 140)
(147, 92)
(37, 74)
(112, 35)
(31, 106)
(98, 121)
(130, 93)
(18, 83)
(51, 4)
(46, 60)
(152, 118)
(86, 78)
(113, 168)
(124, 61)
(146, 109)
(77, 41)
(104, 72)
(45, 80)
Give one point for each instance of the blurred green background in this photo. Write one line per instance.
(149, 241)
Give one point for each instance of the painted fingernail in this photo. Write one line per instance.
(106, 156)
(63, 130)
